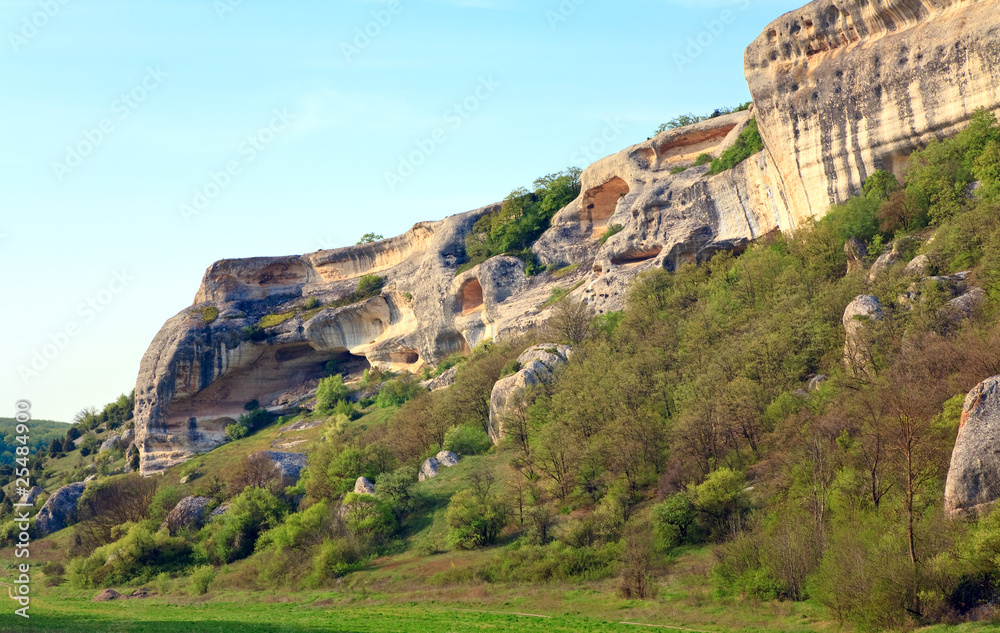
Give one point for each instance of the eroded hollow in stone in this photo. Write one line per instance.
(452, 343)
(405, 356)
(636, 256)
(600, 203)
(471, 296)
(690, 146)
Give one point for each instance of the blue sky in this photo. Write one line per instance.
(144, 140)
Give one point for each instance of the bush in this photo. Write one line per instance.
(236, 431)
(201, 579)
(209, 314)
(331, 390)
(311, 303)
(110, 502)
(673, 522)
(396, 489)
(369, 518)
(703, 159)
(368, 286)
(478, 515)
(232, 535)
(467, 439)
(747, 144)
(396, 392)
(253, 333)
(137, 556)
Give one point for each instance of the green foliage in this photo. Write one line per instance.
(690, 118)
(42, 433)
(396, 392)
(236, 431)
(253, 333)
(209, 314)
(673, 522)
(368, 286)
(136, 556)
(396, 489)
(522, 218)
(477, 515)
(703, 159)
(231, 536)
(369, 518)
(466, 439)
(613, 229)
(312, 303)
(511, 368)
(273, 320)
(747, 144)
(330, 391)
(452, 361)
(201, 579)
(369, 238)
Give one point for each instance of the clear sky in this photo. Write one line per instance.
(141, 141)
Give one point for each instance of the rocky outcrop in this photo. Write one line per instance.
(111, 443)
(858, 317)
(537, 365)
(845, 87)
(973, 484)
(447, 459)
(428, 469)
(107, 596)
(364, 486)
(841, 88)
(60, 510)
(31, 496)
(189, 513)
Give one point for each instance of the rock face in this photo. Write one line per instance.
(856, 252)
(188, 513)
(845, 87)
(110, 444)
(840, 88)
(60, 510)
(364, 486)
(537, 366)
(861, 312)
(974, 476)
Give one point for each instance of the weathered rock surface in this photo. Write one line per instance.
(428, 469)
(60, 509)
(859, 315)
(538, 364)
(919, 265)
(447, 459)
(973, 483)
(446, 379)
(31, 496)
(289, 465)
(111, 443)
(364, 486)
(840, 89)
(845, 87)
(189, 513)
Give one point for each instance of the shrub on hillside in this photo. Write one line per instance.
(232, 535)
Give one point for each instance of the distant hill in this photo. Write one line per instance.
(42, 433)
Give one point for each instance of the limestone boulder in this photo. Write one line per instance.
(60, 510)
(189, 513)
(446, 379)
(859, 315)
(447, 459)
(973, 484)
(111, 443)
(537, 365)
(428, 469)
(918, 266)
(364, 486)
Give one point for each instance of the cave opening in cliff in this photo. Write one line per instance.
(452, 343)
(471, 296)
(600, 203)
